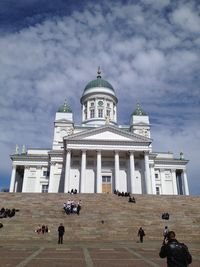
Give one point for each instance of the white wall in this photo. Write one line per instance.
(123, 181)
(90, 181)
(74, 179)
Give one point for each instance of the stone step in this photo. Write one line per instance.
(121, 219)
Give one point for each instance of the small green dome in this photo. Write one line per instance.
(65, 108)
(138, 111)
(99, 82)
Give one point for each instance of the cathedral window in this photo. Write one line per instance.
(157, 190)
(108, 112)
(46, 173)
(92, 113)
(100, 103)
(92, 104)
(108, 105)
(100, 113)
(45, 188)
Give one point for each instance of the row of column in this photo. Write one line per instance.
(132, 180)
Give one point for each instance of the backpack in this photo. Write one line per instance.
(180, 255)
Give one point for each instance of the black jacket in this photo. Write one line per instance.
(177, 254)
(61, 230)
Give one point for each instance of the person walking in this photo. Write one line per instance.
(177, 253)
(61, 231)
(141, 234)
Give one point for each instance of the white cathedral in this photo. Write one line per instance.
(99, 156)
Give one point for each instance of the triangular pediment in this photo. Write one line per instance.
(108, 133)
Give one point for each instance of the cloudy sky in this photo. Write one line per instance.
(149, 50)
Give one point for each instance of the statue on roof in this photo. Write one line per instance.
(17, 149)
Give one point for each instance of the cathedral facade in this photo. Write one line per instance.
(99, 155)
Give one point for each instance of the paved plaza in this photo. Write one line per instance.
(122, 254)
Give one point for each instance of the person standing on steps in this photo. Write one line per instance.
(61, 231)
(177, 253)
(141, 234)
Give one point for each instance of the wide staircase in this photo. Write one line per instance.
(103, 217)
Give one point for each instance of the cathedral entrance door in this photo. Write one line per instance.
(106, 184)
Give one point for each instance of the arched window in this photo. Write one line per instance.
(92, 113)
(100, 113)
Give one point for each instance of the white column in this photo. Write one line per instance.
(83, 169)
(99, 182)
(186, 189)
(95, 106)
(67, 171)
(88, 110)
(132, 173)
(147, 174)
(117, 170)
(83, 112)
(12, 181)
(25, 179)
(51, 179)
(162, 179)
(153, 180)
(175, 191)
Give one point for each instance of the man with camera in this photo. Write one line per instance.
(177, 253)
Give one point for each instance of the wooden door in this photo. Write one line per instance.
(106, 184)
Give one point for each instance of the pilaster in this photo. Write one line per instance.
(175, 190)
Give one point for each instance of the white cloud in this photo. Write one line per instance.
(187, 18)
(141, 55)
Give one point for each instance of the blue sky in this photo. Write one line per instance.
(149, 50)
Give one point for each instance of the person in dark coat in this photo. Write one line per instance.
(61, 231)
(141, 234)
(177, 253)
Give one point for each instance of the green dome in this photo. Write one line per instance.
(99, 82)
(65, 108)
(138, 111)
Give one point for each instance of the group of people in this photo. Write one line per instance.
(131, 199)
(73, 191)
(71, 207)
(42, 229)
(4, 213)
(165, 216)
(121, 194)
